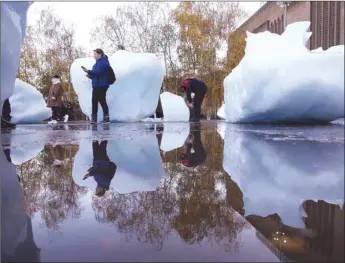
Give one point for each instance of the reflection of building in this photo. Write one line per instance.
(326, 17)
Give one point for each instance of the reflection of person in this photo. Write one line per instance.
(57, 153)
(55, 99)
(194, 85)
(102, 170)
(194, 152)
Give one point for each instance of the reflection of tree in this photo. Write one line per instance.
(196, 204)
(49, 189)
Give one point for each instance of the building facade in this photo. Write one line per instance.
(326, 17)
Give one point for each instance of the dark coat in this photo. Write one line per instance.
(99, 73)
(193, 85)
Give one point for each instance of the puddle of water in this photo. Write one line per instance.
(173, 192)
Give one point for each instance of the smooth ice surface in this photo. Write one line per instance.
(134, 95)
(13, 25)
(138, 160)
(27, 104)
(280, 80)
(221, 112)
(276, 173)
(174, 107)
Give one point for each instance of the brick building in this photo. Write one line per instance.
(326, 17)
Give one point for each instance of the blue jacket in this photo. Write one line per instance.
(103, 172)
(99, 74)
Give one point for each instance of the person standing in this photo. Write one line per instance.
(55, 99)
(6, 116)
(100, 84)
(194, 85)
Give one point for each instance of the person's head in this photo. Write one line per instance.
(98, 53)
(100, 191)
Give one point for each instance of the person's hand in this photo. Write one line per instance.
(190, 105)
(84, 69)
(53, 98)
(86, 176)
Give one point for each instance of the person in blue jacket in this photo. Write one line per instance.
(100, 84)
(102, 170)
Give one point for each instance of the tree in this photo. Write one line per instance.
(236, 46)
(49, 49)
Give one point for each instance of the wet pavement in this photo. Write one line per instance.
(173, 192)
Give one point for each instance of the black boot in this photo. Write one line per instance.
(106, 119)
(7, 125)
(93, 119)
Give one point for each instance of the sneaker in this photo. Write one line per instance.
(93, 120)
(106, 119)
(52, 122)
(66, 118)
(57, 162)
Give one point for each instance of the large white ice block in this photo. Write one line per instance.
(276, 175)
(221, 112)
(174, 107)
(280, 80)
(27, 104)
(13, 26)
(138, 160)
(134, 95)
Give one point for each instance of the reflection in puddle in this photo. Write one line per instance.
(162, 192)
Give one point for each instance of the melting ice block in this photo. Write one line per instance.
(138, 160)
(174, 107)
(28, 104)
(277, 176)
(134, 95)
(221, 112)
(280, 80)
(13, 26)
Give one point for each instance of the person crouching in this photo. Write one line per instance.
(55, 99)
(194, 85)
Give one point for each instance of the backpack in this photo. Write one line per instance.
(111, 76)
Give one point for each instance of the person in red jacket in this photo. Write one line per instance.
(194, 85)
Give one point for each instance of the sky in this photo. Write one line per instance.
(82, 15)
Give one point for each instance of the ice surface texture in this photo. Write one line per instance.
(276, 175)
(27, 104)
(13, 25)
(134, 95)
(280, 80)
(174, 107)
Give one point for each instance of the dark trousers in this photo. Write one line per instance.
(100, 150)
(57, 113)
(99, 96)
(197, 102)
(6, 110)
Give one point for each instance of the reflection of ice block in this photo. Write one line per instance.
(24, 148)
(221, 112)
(277, 175)
(134, 95)
(28, 104)
(174, 136)
(13, 25)
(174, 107)
(280, 80)
(139, 165)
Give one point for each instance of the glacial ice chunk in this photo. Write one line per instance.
(134, 95)
(276, 175)
(13, 27)
(280, 80)
(138, 161)
(221, 112)
(27, 104)
(174, 107)
(174, 136)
